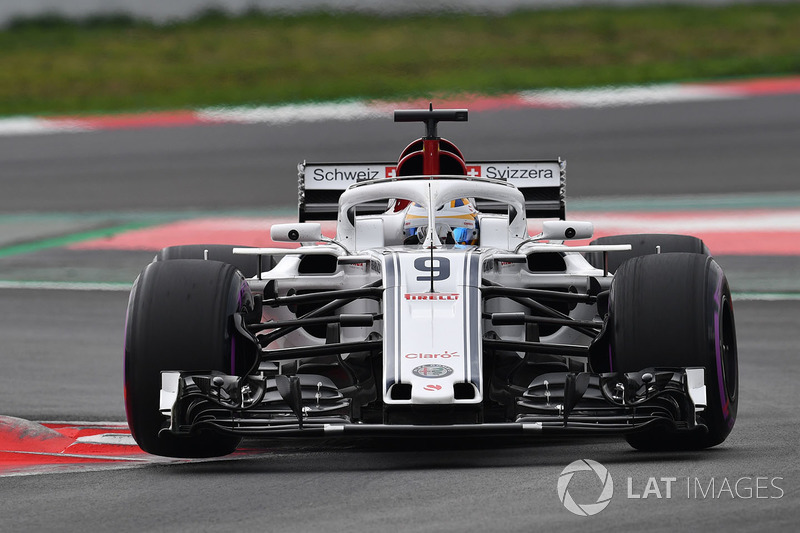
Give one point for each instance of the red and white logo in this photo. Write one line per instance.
(432, 388)
(422, 355)
(474, 171)
(432, 296)
(391, 172)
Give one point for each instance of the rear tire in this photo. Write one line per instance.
(675, 310)
(179, 318)
(644, 244)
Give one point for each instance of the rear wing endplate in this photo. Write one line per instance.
(542, 183)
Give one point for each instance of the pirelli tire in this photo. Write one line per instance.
(247, 264)
(645, 244)
(179, 318)
(675, 310)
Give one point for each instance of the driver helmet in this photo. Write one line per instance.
(456, 223)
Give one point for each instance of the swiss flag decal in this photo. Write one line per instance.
(474, 171)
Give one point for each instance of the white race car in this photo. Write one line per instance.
(432, 313)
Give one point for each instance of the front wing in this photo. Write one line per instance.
(557, 404)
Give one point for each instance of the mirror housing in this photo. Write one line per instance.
(562, 230)
(296, 232)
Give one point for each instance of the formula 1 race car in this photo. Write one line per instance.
(432, 313)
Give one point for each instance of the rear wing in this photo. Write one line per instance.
(542, 183)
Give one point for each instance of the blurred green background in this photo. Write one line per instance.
(51, 65)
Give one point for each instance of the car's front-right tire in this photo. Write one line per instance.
(644, 244)
(675, 310)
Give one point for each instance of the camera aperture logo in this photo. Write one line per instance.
(585, 509)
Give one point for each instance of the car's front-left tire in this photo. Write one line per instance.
(247, 264)
(179, 318)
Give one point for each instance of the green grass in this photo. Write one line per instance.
(52, 66)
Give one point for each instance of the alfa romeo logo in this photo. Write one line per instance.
(585, 509)
(432, 371)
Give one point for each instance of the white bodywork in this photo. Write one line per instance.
(432, 323)
(432, 338)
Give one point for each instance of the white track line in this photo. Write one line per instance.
(84, 423)
(82, 456)
(38, 126)
(287, 114)
(766, 296)
(65, 286)
(625, 96)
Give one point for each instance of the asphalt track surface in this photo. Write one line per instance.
(61, 350)
(742, 145)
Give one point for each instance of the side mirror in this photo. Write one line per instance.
(561, 230)
(297, 232)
